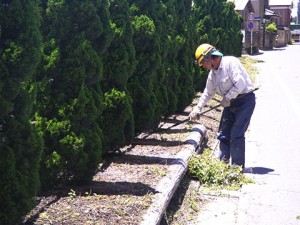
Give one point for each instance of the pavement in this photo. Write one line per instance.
(273, 143)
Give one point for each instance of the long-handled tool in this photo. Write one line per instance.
(212, 108)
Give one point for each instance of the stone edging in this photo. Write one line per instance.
(168, 185)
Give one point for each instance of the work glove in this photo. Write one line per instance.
(195, 114)
(225, 102)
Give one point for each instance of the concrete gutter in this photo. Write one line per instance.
(168, 185)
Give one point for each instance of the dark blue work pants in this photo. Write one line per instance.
(233, 125)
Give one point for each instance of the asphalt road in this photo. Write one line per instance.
(272, 150)
(273, 143)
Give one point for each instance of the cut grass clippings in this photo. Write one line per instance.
(248, 64)
(211, 172)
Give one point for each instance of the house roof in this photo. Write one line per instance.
(239, 4)
(269, 13)
(280, 2)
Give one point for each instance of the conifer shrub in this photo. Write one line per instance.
(117, 120)
(20, 146)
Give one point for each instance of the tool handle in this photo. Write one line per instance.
(212, 108)
(242, 95)
(217, 106)
(186, 120)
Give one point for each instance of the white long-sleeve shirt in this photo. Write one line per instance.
(228, 81)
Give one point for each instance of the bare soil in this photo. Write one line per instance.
(124, 186)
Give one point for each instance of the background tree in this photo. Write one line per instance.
(143, 85)
(216, 23)
(103, 72)
(183, 48)
(20, 146)
(119, 65)
(69, 105)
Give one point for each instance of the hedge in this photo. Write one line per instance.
(83, 78)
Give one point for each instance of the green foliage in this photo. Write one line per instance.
(9, 185)
(90, 75)
(69, 93)
(291, 41)
(144, 25)
(162, 81)
(271, 27)
(143, 86)
(20, 146)
(220, 20)
(218, 24)
(182, 46)
(119, 65)
(119, 60)
(214, 173)
(117, 110)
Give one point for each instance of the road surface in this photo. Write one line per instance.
(273, 149)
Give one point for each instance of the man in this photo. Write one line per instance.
(228, 78)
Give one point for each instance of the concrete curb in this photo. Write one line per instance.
(168, 185)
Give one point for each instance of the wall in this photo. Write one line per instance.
(285, 16)
(259, 7)
(255, 42)
(269, 40)
(282, 38)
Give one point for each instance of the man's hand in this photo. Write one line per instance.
(195, 114)
(225, 102)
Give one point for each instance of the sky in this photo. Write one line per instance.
(295, 8)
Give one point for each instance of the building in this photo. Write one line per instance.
(259, 7)
(244, 8)
(264, 12)
(284, 9)
(295, 27)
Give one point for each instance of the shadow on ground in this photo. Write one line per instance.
(260, 170)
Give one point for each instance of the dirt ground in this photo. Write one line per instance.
(124, 186)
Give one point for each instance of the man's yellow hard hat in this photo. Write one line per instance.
(205, 50)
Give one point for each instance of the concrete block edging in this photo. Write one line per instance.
(168, 185)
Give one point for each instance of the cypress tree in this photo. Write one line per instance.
(20, 146)
(184, 56)
(119, 64)
(69, 106)
(143, 85)
(218, 24)
(231, 43)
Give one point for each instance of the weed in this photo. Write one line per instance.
(163, 139)
(194, 205)
(44, 216)
(248, 63)
(72, 195)
(126, 201)
(212, 172)
(158, 172)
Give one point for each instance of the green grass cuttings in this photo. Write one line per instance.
(248, 64)
(212, 172)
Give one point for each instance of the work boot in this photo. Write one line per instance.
(247, 170)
